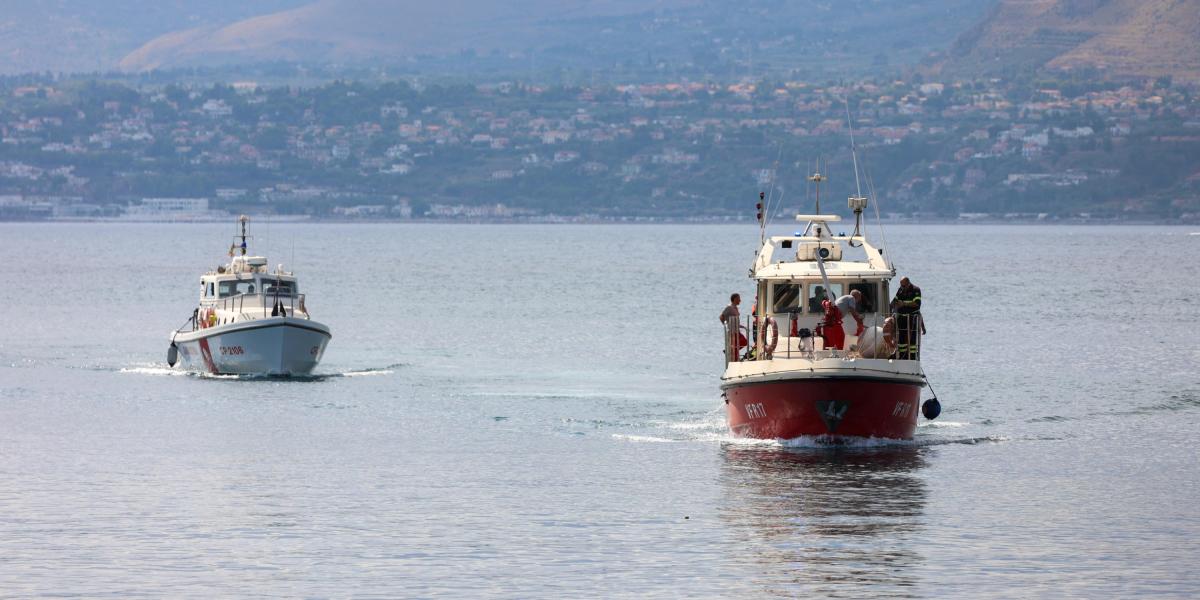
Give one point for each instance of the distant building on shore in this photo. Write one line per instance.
(172, 209)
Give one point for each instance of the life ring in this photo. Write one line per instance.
(769, 346)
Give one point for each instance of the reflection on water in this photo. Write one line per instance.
(833, 521)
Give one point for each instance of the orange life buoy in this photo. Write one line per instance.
(769, 346)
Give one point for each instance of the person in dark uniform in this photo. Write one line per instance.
(907, 306)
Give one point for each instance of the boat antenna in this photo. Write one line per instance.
(853, 149)
(859, 200)
(816, 178)
(762, 223)
(773, 202)
(814, 188)
(856, 202)
(244, 220)
(878, 220)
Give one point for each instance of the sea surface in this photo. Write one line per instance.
(533, 412)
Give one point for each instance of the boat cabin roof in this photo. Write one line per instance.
(247, 267)
(794, 257)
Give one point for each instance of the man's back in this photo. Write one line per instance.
(730, 311)
(847, 304)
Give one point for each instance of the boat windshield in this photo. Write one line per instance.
(786, 298)
(869, 304)
(273, 287)
(816, 293)
(234, 288)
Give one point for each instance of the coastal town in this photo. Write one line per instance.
(988, 149)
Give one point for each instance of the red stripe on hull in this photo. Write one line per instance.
(206, 354)
(824, 407)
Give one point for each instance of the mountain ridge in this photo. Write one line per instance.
(364, 29)
(1115, 38)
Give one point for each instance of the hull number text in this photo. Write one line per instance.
(755, 411)
(231, 350)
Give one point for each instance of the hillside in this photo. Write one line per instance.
(1117, 38)
(84, 35)
(700, 38)
(749, 37)
(357, 30)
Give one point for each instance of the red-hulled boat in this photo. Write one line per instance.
(803, 374)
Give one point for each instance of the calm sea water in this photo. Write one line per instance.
(529, 411)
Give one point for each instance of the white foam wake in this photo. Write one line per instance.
(363, 373)
(162, 371)
(642, 438)
(941, 424)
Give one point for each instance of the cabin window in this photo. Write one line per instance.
(211, 290)
(786, 298)
(236, 287)
(816, 293)
(870, 302)
(272, 287)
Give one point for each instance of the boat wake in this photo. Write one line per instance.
(160, 370)
(711, 427)
(388, 370)
(643, 438)
(820, 441)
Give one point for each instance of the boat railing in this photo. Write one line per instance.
(259, 300)
(788, 335)
(257, 303)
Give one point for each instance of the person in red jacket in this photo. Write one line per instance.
(831, 326)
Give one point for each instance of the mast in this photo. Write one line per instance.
(244, 221)
(817, 178)
(762, 223)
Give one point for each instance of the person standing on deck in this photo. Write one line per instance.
(732, 309)
(907, 305)
(729, 318)
(849, 305)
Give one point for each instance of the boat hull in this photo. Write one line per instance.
(829, 408)
(275, 346)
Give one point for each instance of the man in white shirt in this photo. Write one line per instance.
(849, 304)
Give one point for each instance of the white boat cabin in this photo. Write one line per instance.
(791, 285)
(245, 290)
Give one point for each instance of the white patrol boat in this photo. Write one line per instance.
(250, 321)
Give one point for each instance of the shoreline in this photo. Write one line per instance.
(590, 221)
